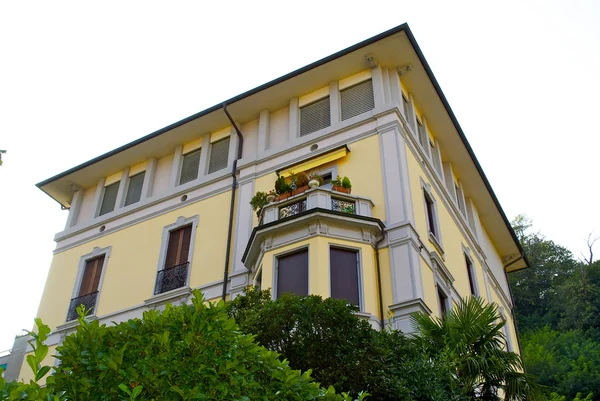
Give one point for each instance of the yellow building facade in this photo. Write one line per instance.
(169, 213)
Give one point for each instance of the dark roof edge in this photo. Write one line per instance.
(441, 95)
(399, 28)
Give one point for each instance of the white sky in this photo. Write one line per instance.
(78, 79)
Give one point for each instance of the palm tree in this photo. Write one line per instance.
(471, 334)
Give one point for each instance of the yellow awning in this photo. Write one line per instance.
(314, 162)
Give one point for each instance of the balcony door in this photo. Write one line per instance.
(175, 272)
(91, 276)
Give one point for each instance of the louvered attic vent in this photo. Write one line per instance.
(189, 167)
(357, 99)
(315, 116)
(219, 155)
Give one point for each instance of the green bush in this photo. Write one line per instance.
(282, 186)
(185, 352)
(342, 350)
(258, 201)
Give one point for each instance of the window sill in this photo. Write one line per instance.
(74, 323)
(436, 244)
(178, 294)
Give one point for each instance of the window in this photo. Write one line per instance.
(88, 288)
(344, 275)
(406, 109)
(134, 189)
(219, 155)
(326, 180)
(422, 134)
(431, 222)
(292, 273)
(471, 275)
(459, 198)
(190, 166)
(357, 99)
(109, 198)
(315, 116)
(435, 156)
(175, 272)
(443, 301)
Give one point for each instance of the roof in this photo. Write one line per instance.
(371, 42)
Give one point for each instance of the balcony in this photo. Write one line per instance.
(317, 198)
(88, 301)
(171, 278)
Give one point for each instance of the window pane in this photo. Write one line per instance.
(315, 116)
(134, 190)
(430, 213)
(190, 167)
(292, 273)
(443, 299)
(357, 99)
(110, 198)
(470, 274)
(344, 275)
(219, 155)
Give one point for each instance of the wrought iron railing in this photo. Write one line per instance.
(292, 209)
(342, 205)
(88, 301)
(171, 278)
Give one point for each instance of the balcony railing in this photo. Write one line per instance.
(171, 278)
(88, 301)
(322, 198)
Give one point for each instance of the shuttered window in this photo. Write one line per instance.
(315, 116)
(430, 213)
(292, 273)
(443, 300)
(109, 198)
(91, 276)
(190, 167)
(178, 247)
(357, 99)
(134, 189)
(344, 275)
(219, 155)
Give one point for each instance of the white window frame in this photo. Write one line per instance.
(467, 254)
(359, 271)
(96, 252)
(166, 233)
(436, 238)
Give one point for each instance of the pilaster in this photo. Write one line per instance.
(263, 131)
(203, 165)
(387, 94)
(334, 99)
(98, 196)
(176, 166)
(395, 88)
(294, 124)
(74, 209)
(378, 92)
(243, 229)
(449, 178)
(234, 142)
(121, 193)
(149, 178)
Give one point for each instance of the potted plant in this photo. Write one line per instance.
(258, 201)
(271, 195)
(315, 180)
(282, 188)
(342, 185)
(301, 182)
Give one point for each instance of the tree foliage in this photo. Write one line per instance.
(471, 334)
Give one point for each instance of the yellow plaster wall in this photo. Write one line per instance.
(429, 287)
(318, 269)
(131, 269)
(510, 323)
(26, 374)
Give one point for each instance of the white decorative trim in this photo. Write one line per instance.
(96, 252)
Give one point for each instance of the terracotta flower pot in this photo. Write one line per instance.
(283, 196)
(299, 190)
(342, 189)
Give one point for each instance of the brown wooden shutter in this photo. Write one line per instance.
(91, 276)
(344, 275)
(292, 273)
(179, 246)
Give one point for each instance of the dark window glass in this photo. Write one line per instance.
(430, 213)
(443, 300)
(109, 198)
(470, 274)
(292, 273)
(344, 275)
(134, 189)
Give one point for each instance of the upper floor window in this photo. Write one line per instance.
(431, 213)
(109, 198)
(443, 302)
(459, 198)
(344, 275)
(406, 108)
(175, 272)
(219, 155)
(87, 294)
(422, 134)
(190, 166)
(292, 273)
(357, 99)
(471, 275)
(315, 116)
(134, 189)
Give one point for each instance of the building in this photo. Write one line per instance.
(170, 212)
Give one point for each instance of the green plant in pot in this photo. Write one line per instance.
(282, 188)
(301, 180)
(315, 180)
(258, 201)
(342, 184)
